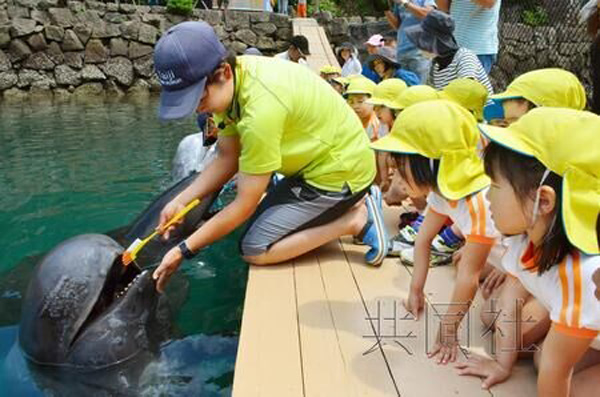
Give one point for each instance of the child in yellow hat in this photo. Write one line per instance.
(437, 156)
(551, 87)
(469, 93)
(357, 94)
(546, 195)
(329, 72)
(386, 106)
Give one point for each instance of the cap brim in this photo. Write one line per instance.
(390, 143)
(181, 103)
(373, 57)
(507, 138)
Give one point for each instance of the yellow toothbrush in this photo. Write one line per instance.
(131, 253)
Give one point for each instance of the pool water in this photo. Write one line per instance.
(91, 168)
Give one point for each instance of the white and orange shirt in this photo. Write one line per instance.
(570, 291)
(473, 218)
(372, 127)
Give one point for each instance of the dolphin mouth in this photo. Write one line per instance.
(119, 281)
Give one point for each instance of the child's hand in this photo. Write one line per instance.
(415, 302)
(491, 282)
(490, 370)
(446, 347)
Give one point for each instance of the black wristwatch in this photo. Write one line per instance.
(185, 251)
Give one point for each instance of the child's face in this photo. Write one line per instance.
(358, 103)
(507, 210)
(371, 49)
(385, 115)
(379, 67)
(514, 109)
(409, 185)
(345, 54)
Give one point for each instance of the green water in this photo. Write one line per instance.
(72, 169)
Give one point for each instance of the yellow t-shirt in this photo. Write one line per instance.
(291, 121)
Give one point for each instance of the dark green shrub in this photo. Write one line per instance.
(180, 7)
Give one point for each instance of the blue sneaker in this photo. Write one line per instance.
(375, 234)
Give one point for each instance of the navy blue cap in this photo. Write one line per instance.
(183, 59)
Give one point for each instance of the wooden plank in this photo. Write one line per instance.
(366, 369)
(321, 52)
(324, 369)
(269, 359)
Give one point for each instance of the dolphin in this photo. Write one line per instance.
(82, 310)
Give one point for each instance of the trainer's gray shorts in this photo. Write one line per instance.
(289, 207)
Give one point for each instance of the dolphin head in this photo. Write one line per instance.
(84, 309)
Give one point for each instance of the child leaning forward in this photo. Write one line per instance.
(437, 156)
(545, 194)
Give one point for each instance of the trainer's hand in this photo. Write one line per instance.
(170, 210)
(169, 265)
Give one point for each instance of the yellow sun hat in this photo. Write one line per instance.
(387, 93)
(469, 93)
(566, 142)
(550, 87)
(360, 85)
(444, 130)
(330, 69)
(416, 94)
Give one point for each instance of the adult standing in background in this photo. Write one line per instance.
(403, 14)
(476, 27)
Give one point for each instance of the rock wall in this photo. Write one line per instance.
(93, 49)
(522, 47)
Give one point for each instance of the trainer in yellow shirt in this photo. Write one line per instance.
(280, 118)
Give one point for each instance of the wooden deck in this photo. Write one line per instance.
(328, 325)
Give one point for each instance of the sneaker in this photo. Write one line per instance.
(397, 245)
(375, 234)
(407, 235)
(435, 258)
(440, 246)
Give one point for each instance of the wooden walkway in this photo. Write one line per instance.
(328, 325)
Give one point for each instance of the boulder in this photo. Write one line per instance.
(266, 44)
(113, 91)
(37, 42)
(62, 17)
(39, 61)
(22, 27)
(92, 73)
(74, 59)
(137, 50)
(5, 63)
(265, 28)
(8, 80)
(246, 36)
(83, 32)
(55, 33)
(64, 75)
(139, 90)
(55, 53)
(17, 12)
(121, 69)
(87, 90)
(41, 17)
(130, 30)
(4, 36)
(95, 52)
(71, 42)
(118, 47)
(144, 66)
(147, 34)
(18, 50)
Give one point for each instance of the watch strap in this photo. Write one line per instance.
(185, 250)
